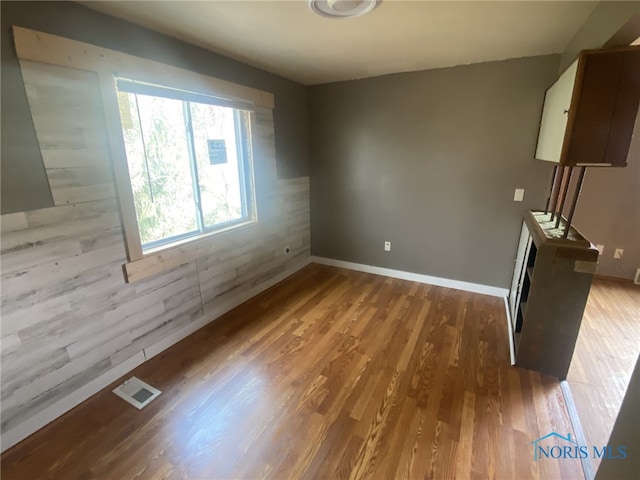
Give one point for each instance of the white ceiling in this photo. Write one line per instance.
(285, 38)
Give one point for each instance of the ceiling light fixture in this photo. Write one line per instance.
(342, 8)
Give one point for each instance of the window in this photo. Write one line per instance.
(189, 159)
(177, 205)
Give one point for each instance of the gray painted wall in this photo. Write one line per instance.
(24, 184)
(429, 160)
(625, 433)
(608, 212)
(605, 20)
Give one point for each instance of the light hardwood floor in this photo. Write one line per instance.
(606, 351)
(330, 374)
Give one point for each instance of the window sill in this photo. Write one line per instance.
(166, 257)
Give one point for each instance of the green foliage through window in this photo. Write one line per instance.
(188, 158)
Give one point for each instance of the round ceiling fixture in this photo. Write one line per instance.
(342, 8)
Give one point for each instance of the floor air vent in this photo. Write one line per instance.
(136, 392)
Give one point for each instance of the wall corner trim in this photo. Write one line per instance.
(46, 416)
(415, 277)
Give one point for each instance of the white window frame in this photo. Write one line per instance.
(244, 152)
(107, 64)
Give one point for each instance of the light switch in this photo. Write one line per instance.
(519, 195)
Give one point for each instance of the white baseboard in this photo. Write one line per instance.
(415, 277)
(49, 414)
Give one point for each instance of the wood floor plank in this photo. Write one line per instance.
(331, 374)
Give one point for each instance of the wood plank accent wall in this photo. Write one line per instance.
(68, 117)
(77, 60)
(67, 314)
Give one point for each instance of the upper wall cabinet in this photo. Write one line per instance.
(590, 112)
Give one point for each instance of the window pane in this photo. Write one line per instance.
(219, 168)
(162, 182)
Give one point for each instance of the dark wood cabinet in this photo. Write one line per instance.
(590, 112)
(549, 291)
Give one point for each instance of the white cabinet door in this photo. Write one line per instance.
(519, 272)
(554, 116)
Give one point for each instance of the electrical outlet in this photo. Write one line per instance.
(518, 196)
(618, 253)
(287, 250)
(600, 249)
(387, 246)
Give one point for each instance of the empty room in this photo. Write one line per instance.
(320, 239)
